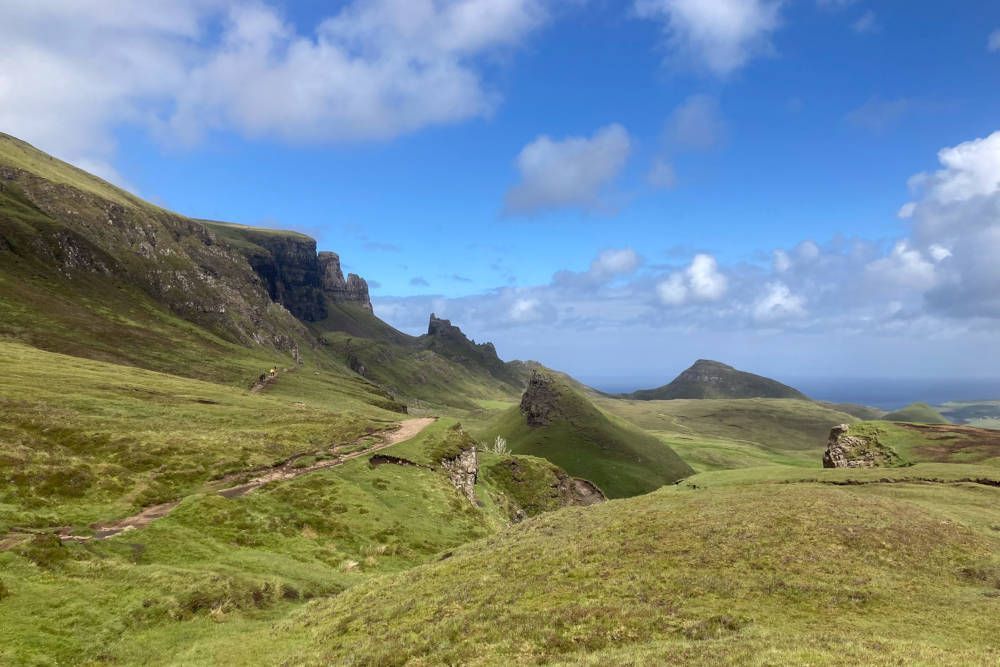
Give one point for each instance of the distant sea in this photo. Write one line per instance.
(888, 394)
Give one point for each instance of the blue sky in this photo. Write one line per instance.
(615, 188)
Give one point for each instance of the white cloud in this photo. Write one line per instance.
(696, 124)
(867, 23)
(778, 303)
(993, 43)
(72, 71)
(906, 211)
(525, 310)
(662, 175)
(615, 262)
(781, 261)
(718, 35)
(700, 281)
(568, 172)
(904, 267)
(971, 169)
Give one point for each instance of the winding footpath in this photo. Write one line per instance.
(282, 472)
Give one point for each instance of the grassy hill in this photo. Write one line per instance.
(916, 413)
(894, 573)
(712, 379)
(621, 459)
(711, 434)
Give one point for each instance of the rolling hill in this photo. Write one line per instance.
(916, 413)
(557, 422)
(712, 379)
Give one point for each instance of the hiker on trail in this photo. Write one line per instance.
(274, 371)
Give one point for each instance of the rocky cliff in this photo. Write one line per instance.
(293, 273)
(448, 340)
(352, 290)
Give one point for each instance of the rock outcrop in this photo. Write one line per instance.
(847, 450)
(463, 471)
(448, 340)
(540, 401)
(352, 290)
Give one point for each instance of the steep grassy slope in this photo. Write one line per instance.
(711, 379)
(916, 413)
(893, 574)
(714, 434)
(619, 458)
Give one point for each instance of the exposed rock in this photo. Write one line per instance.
(463, 470)
(352, 290)
(844, 450)
(448, 340)
(539, 403)
(290, 271)
(584, 492)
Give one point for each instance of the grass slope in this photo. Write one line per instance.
(904, 573)
(621, 459)
(82, 440)
(916, 413)
(719, 434)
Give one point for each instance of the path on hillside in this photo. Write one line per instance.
(283, 471)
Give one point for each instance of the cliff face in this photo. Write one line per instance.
(291, 272)
(294, 274)
(352, 290)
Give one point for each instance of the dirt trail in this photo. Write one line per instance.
(281, 472)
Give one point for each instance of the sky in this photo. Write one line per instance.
(802, 188)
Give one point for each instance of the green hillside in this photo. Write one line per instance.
(701, 575)
(711, 434)
(621, 459)
(712, 379)
(916, 413)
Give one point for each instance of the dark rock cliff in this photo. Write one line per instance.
(291, 272)
(352, 290)
(448, 340)
(294, 274)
